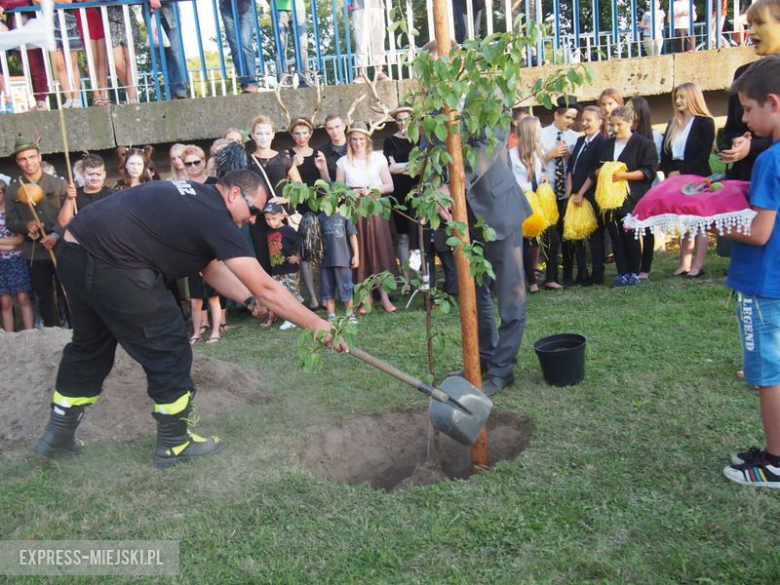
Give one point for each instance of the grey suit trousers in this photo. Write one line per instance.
(498, 347)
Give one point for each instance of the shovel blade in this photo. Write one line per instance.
(464, 414)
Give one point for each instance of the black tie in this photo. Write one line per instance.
(560, 175)
(579, 156)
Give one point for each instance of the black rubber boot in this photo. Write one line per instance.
(175, 441)
(59, 438)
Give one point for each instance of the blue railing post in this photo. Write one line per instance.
(259, 37)
(348, 40)
(317, 41)
(222, 66)
(148, 20)
(576, 23)
(281, 57)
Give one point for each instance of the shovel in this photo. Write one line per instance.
(458, 409)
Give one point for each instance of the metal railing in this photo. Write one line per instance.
(242, 45)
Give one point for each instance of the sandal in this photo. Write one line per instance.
(267, 323)
(213, 339)
(224, 327)
(195, 339)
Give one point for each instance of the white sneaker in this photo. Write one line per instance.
(286, 325)
(352, 319)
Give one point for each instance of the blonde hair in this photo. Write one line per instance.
(257, 120)
(191, 149)
(178, 147)
(369, 142)
(762, 8)
(624, 113)
(599, 113)
(528, 133)
(696, 105)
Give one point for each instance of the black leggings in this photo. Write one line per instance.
(625, 245)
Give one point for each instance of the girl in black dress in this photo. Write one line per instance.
(312, 166)
(397, 149)
(688, 143)
(275, 168)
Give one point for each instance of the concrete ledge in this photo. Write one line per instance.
(208, 118)
(87, 129)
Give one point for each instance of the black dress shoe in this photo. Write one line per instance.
(493, 385)
(582, 277)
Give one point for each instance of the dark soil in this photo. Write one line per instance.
(393, 450)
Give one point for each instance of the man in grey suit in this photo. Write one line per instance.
(493, 193)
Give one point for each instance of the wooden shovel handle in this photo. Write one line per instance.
(396, 373)
(31, 205)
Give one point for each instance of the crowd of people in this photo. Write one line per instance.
(240, 25)
(85, 33)
(570, 162)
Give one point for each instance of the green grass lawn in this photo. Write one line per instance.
(621, 482)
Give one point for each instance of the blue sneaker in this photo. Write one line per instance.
(633, 279)
(620, 280)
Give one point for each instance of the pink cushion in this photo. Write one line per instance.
(666, 208)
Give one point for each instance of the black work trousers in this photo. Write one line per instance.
(131, 306)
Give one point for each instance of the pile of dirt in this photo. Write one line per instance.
(30, 360)
(395, 450)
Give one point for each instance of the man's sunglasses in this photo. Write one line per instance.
(252, 209)
(193, 163)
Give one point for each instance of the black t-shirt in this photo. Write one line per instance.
(281, 245)
(177, 227)
(332, 154)
(83, 199)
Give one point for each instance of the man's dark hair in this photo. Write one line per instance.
(760, 79)
(333, 116)
(244, 179)
(92, 161)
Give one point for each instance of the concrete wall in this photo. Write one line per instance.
(102, 129)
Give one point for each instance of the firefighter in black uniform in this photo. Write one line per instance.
(116, 256)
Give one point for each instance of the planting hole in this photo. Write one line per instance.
(392, 450)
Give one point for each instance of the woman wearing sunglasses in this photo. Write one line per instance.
(194, 161)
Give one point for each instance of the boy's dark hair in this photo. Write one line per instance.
(92, 161)
(760, 79)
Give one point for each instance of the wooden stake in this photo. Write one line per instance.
(467, 299)
(64, 132)
(31, 205)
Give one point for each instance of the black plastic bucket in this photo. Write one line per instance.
(562, 358)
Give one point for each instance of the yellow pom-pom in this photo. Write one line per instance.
(535, 223)
(611, 194)
(547, 201)
(579, 221)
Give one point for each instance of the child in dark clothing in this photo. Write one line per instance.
(340, 238)
(282, 240)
